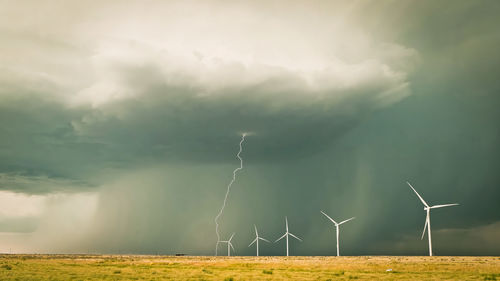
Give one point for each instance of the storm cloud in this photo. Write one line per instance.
(127, 117)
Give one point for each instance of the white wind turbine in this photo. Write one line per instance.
(286, 235)
(229, 245)
(256, 240)
(427, 208)
(337, 228)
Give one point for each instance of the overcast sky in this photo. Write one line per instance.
(120, 123)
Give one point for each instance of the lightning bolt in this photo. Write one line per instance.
(227, 193)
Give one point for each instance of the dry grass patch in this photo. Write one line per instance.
(85, 267)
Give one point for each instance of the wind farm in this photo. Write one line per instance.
(249, 140)
(258, 267)
(288, 234)
(268, 267)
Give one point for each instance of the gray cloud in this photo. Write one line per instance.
(73, 108)
(143, 107)
(40, 184)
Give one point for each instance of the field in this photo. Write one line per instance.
(92, 267)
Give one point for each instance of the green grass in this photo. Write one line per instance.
(86, 267)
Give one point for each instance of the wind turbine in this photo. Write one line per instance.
(229, 245)
(427, 208)
(286, 235)
(256, 240)
(337, 228)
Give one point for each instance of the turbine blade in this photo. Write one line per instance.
(231, 237)
(328, 217)
(255, 240)
(445, 205)
(346, 220)
(286, 222)
(295, 237)
(231, 245)
(425, 226)
(281, 237)
(421, 199)
(256, 233)
(263, 239)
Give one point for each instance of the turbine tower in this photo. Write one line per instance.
(337, 228)
(427, 224)
(229, 245)
(256, 240)
(287, 233)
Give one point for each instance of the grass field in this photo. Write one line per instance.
(90, 267)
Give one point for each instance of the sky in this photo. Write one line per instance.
(120, 122)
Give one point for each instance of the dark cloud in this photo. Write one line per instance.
(341, 115)
(41, 184)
